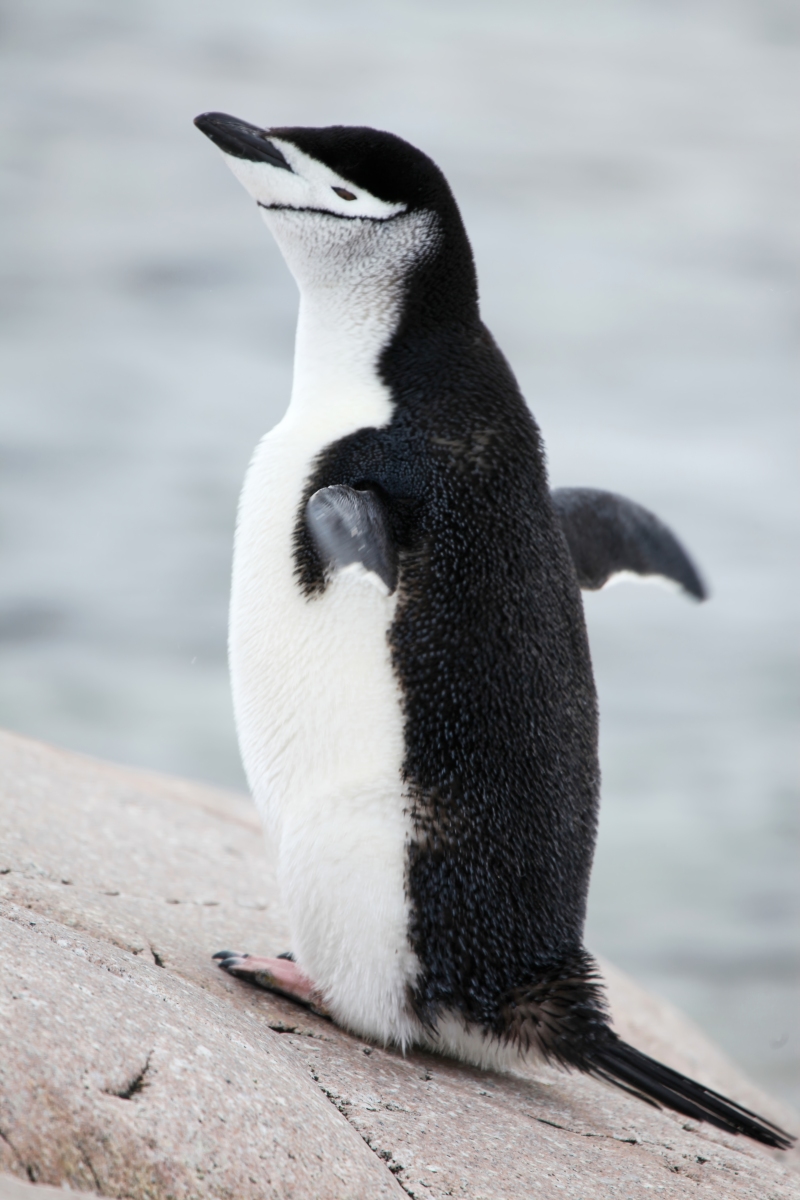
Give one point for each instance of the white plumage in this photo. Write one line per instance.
(318, 709)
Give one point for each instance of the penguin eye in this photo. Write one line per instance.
(343, 192)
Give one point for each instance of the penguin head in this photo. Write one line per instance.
(343, 199)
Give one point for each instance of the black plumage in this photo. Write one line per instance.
(607, 533)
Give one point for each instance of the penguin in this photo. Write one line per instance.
(411, 677)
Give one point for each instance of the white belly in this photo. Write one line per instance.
(320, 725)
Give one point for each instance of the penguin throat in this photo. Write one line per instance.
(337, 349)
(353, 278)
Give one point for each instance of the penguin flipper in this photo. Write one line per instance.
(609, 535)
(349, 527)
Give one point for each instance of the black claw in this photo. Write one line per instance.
(287, 954)
(226, 957)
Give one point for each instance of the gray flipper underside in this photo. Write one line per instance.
(608, 534)
(349, 526)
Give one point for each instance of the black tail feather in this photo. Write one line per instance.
(564, 1015)
(616, 1062)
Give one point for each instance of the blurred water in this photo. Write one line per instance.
(628, 174)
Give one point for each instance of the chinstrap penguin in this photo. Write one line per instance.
(411, 677)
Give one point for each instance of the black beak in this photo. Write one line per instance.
(240, 139)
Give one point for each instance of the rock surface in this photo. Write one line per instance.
(132, 1067)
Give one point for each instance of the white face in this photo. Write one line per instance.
(362, 244)
(309, 185)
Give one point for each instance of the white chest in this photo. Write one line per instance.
(320, 724)
(317, 704)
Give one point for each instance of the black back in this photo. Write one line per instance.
(489, 644)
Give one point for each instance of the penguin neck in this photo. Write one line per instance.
(378, 287)
(341, 334)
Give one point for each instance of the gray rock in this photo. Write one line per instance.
(12, 1188)
(131, 1066)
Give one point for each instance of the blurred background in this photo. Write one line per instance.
(628, 175)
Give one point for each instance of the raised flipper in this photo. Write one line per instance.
(608, 535)
(350, 529)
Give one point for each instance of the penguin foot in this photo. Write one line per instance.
(280, 975)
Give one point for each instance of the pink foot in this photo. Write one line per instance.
(280, 975)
